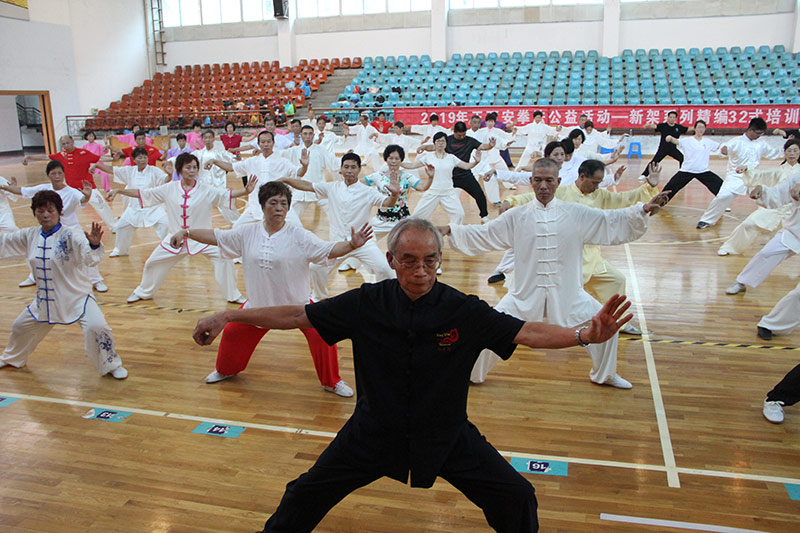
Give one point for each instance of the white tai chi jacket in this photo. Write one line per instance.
(216, 177)
(742, 152)
(770, 219)
(136, 215)
(775, 197)
(58, 260)
(186, 208)
(548, 243)
(319, 160)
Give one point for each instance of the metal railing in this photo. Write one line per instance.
(29, 116)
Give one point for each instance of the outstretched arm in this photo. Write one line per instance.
(224, 165)
(300, 185)
(278, 317)
(206, 236)
(12, 186)
(605, 325)
(34, 158)
(357, 240)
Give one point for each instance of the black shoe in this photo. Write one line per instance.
(765, 333)
(494, 278)
(702, 225)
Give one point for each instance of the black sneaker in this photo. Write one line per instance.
(702, 225)
(765, 333)
(494, 278)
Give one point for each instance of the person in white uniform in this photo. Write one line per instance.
(7, 222)
(430, 130)
(365, 147)
(538, 134)
(350, 205)
(319, 160)
(188, 203)
(59, 255)
(265, 166)
(398, 138)
(746, 150)
(275, 259)
(324, 135)
(783, 245)
(214, 175)
(71, 200)
(139, 176)
(548, 236)
(441, 192)
(763, 220)
(696, 151)
(492, 160)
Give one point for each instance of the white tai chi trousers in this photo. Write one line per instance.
(527, 155)
(7, 222)
(99, 204)
(506, 264)
(785, 316)
(731, 188)
(449, 200)
(27, 333)
(764, 262)
(125, 229)
(604, 355)
(370, 255)
(745, 234)
(161, 261)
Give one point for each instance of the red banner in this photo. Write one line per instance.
(719, 116)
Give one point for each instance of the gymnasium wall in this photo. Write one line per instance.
(10, 140)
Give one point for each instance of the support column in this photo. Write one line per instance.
(795, 44)
(286, 51)
(439, 30)
(611, 12)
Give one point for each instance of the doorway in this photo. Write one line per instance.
(26, 123)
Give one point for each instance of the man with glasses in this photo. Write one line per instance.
(747, 150)
(414, 343)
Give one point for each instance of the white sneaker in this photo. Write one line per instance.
(344, 267)
(439, 271)
(735, 288)
(485, 220)
(237, 261)
(133, 298)
(618, 382)
(727, 209)
(119, 373)
(215, 377)
(100, 287)
(28, 282)
(340, 389)
(722, 252)
(773, 411)
(642, 178)
(240, 300)
(115, 253)
(630, 329)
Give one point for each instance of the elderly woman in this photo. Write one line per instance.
(59, 256)
(275, 258)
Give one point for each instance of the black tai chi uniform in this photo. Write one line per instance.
(666, 148)
(462, 178)
(412, 365)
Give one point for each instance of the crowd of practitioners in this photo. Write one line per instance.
(552, 265)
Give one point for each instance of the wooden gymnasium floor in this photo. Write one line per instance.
(688, 443)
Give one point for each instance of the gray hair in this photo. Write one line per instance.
(545, 163)
(415, 223)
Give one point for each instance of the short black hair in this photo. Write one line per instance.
(434, 116)
(588, 124)
(576, 133)
(392, 148)
(196, 123)
(491, 116)
(790, 143)
(352, 156)
(87, 133)
(700, 121)
(180, 136)
(295, 121)
(212, 132)
(272, 135)
(459, 126)
(184, 159)
(590, 167)
(757, 124)
(274, 188)
(552, 145)
(137, 152)
(231, 124)
(381, 113)
(269, 118)
(537, 113)
(439, 135)
(568, 146)
(52, 165)
(672, 113)
(140, 133)
(42, 198)
(399, 124)
(307, 127)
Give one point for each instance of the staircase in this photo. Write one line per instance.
(333, 86)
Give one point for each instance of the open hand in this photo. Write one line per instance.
(95, 235)
(657, 202)
(360, 237)
(607, 322)
(756, 192)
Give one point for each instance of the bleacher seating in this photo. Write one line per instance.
(195, 92)
(666, 77)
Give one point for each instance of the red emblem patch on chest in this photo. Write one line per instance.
(449, 338)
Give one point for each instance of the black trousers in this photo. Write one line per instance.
(506, 155)
(681, 179)
(473, 188)
(788, 390)
(506, 498)
(665, 149)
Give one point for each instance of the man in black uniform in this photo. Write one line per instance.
(671, 128)
(415, 341)
(461, 145)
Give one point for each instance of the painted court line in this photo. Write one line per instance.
(675, 524)
(12, 266)
(315, 433)
(658, 401)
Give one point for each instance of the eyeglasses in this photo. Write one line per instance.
(430, 263)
